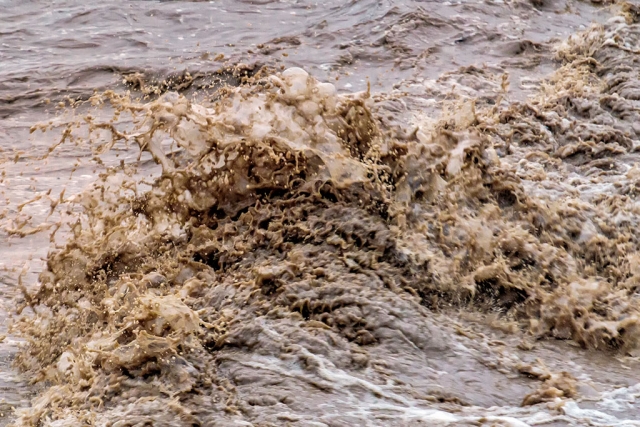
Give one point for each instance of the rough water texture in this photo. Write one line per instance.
(309, 257)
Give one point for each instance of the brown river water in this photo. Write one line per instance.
(338, 213)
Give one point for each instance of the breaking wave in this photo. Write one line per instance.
(292, 228)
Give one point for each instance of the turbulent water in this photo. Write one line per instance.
(266, 213)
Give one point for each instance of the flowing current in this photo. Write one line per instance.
(340, 213)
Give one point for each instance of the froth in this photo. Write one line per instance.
(286, 213)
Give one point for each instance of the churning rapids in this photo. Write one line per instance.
(283, 213)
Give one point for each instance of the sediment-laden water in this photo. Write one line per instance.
(286, 213)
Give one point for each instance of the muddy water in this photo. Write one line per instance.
(455, 246)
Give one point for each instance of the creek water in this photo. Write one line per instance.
(328, 213)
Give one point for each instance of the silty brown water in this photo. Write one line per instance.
(313, 258)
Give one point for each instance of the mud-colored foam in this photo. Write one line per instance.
(292, 227)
